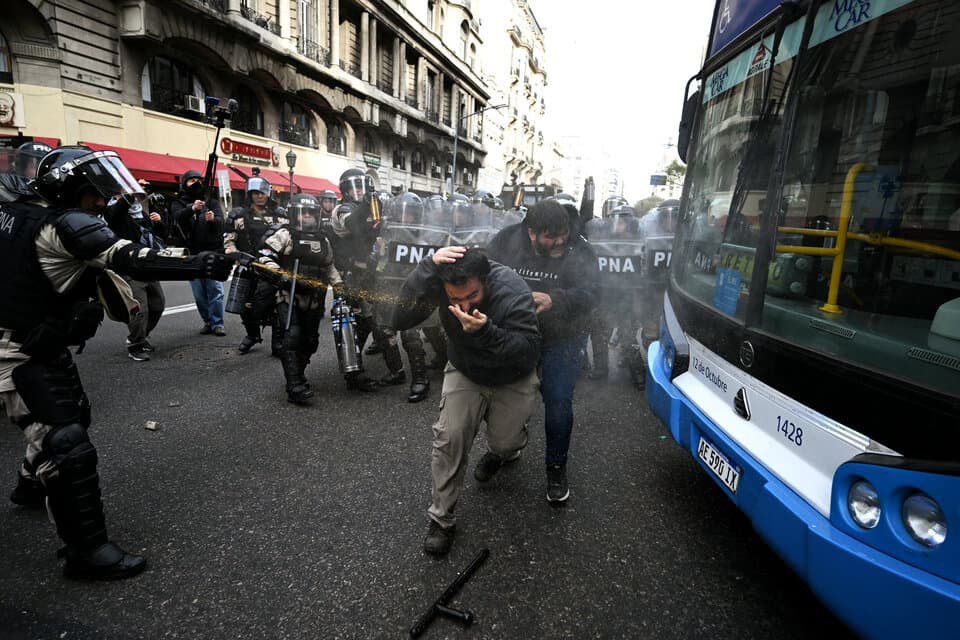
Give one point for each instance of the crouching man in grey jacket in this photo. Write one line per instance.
(488, 314)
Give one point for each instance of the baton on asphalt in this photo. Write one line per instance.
(293, 287)
(440, 606)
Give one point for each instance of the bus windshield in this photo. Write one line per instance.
(867, 261)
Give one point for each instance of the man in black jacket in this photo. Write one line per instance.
(488, 315)
(201, 222)
(561, 270)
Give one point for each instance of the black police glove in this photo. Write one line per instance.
(215, 265)
(115, 209)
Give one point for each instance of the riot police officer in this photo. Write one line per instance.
(54, 261)
(618, 241)
(356, 225)
(300, 248)
(328, 202)
(245, 229)
(15, 185)
(404, 241)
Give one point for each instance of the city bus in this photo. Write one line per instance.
(808, 356)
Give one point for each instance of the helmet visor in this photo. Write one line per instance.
(356, 187)
(305, 217)
(108, 175)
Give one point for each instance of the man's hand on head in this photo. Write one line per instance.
(448, 255)
(471, 322)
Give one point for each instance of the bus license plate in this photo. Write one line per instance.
(729, 475)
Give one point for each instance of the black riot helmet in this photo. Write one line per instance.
(28, 157)
(354, 185)
(66, 173)
(328, 202)
(256, 183)
(406, 208)
(459, 211)
(304, 213)
(612, 203)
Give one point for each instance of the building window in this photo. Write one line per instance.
(249, 116)
(336, 139)
(6, 66)
(370, 144)
(297, 126)
(399, 157)
(171, 87)
(464, 39)
(416, 163)
(436, 171)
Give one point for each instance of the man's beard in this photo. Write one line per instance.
(540, 250)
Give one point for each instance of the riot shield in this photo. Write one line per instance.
(400, 248)
(658, 227)
(619, 244)
(477, 232)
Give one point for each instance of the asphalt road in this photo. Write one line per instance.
(261, 519)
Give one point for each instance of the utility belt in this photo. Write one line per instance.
(52, 336)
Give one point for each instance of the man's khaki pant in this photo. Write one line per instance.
(463, 406)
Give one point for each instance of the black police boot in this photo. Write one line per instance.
(298, 391)
(419, 384)
(29, 492)
(394, 362)
(74, 500)
(247, 343)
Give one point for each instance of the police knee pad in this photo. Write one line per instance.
(69, 448)
(52, 391)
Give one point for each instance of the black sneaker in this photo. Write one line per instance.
(137, 354)
(146, 346)
(490, 464)
(360, 382)
(28, 493)
(557, 488)
(438, 539)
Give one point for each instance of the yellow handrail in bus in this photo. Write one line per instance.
(841, 234)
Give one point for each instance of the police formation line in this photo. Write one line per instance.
(506, 299)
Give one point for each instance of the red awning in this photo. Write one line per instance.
(161, 167)
(314, 185)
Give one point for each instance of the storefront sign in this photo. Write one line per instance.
(371, 160)
(250, 153)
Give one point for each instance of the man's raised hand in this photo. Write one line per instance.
(471, 322)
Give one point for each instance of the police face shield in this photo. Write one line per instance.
(107, 174)
(305, 216)
(258, 187)
(356, 188)
(612, 203)
(623, 222)
(434, 213)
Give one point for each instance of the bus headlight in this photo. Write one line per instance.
(924, 520)
(863, 503)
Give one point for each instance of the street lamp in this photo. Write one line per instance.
(291, 163)
(456, 139)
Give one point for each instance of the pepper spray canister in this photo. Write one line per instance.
(345, 336)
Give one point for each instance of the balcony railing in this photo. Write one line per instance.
(314, 51)
(297, 135)
(217, 5)
(411, 100)
(385, 85)
(263, 22)
(433, 116)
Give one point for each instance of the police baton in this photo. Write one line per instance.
(440, 606)
(293, 288)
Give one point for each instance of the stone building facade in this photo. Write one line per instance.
(377, 84)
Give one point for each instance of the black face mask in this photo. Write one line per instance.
(195, 191)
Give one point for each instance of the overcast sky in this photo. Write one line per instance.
(617, 71)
